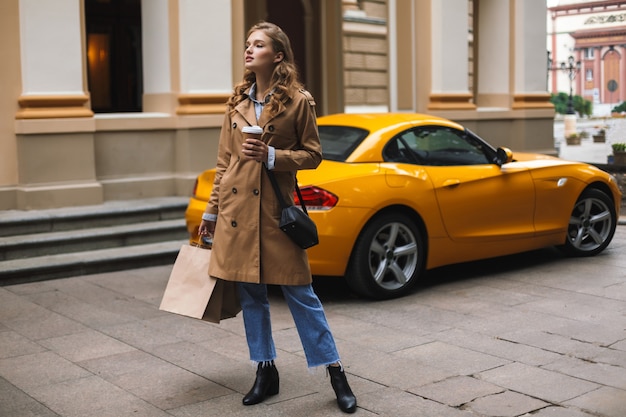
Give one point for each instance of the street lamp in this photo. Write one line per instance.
(571, 68)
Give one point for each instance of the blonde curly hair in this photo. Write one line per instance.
(285, 77)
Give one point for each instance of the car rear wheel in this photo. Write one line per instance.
(591, 225)
(387, 258)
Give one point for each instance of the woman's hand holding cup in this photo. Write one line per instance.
(253, 147)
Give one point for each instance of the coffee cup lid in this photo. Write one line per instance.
(256, 130)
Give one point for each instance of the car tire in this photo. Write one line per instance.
(591, 225)
(388, 257)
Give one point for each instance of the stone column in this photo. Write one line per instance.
(51, 59)
(188, 56)
(450, 56)
(494, 54)
(54, 126)
(529, 50)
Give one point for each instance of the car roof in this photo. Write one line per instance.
(378, 125)
(375, 121)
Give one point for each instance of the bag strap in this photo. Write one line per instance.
(281, 200)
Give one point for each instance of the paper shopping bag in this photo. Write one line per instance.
(193, 293)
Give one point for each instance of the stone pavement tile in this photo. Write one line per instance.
(235, 347)
(166, 386)
(107, 299)
(15, 403)
(593, 310)
(621, 345)
(92, 397)
(68, 306)
(603, 334)
(451, 358)
(611, 357)
(601, 373)
(605, 401)
(140, 335)
(30, 287)
(615, 292)
(145, 284)
(516, 352)
(28, 371)
(234, 374)
(393, 402)
(550, 342)
(456, 391)
(86, 345)
(539, 383)
(490, 295)
(227, 406)
(560, 411)
(315, 405)
(382, 337)
(186, 328)
(156, 381)
(505, 404)
(14, 344)
(40, 323)
(408, 316)
(387, 369)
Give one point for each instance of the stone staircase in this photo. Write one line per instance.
(58, 243)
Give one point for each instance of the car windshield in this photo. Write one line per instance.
(338, 142)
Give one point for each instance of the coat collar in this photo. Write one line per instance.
(246, 109)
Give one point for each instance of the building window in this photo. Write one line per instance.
(588, 53)
(589, 74)
(114, 66)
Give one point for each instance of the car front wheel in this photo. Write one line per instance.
(591, 224)
(387, 258)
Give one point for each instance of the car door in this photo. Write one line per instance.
(478, 200)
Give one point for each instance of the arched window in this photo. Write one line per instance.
(114, 66)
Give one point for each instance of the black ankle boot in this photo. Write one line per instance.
(266, 384)
(345, 398)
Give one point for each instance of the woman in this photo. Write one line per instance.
(243, 212)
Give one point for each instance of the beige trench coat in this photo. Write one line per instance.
(248, 246)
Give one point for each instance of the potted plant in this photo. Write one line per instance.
(600, 136)
(619, 153)
(573, 139)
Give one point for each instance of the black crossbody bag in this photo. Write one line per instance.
(294, 222)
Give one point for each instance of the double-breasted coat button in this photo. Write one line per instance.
(255, 192)
(271, 128)
(233, 223)
(234, 125)
(234, 190)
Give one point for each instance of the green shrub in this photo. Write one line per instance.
(619, 108)
(619, 147)
(581, 106)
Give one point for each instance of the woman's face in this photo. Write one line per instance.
(260, 56)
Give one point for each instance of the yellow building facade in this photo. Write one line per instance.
(76, 130)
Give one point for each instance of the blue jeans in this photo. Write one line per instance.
(308, 315)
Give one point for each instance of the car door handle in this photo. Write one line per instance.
(451, 183)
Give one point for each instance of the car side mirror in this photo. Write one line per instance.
(503, 156)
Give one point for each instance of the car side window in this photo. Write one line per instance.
(436, 146)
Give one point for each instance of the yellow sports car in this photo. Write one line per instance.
(398, 194)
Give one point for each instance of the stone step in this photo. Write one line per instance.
(18, 222)
(88, 262)
(59, 243)
(52, 243)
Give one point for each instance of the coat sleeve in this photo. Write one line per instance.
(224, 153)
(308, 154)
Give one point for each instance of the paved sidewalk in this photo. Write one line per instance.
(529, 335)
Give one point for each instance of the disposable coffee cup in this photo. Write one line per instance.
(252, 132)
